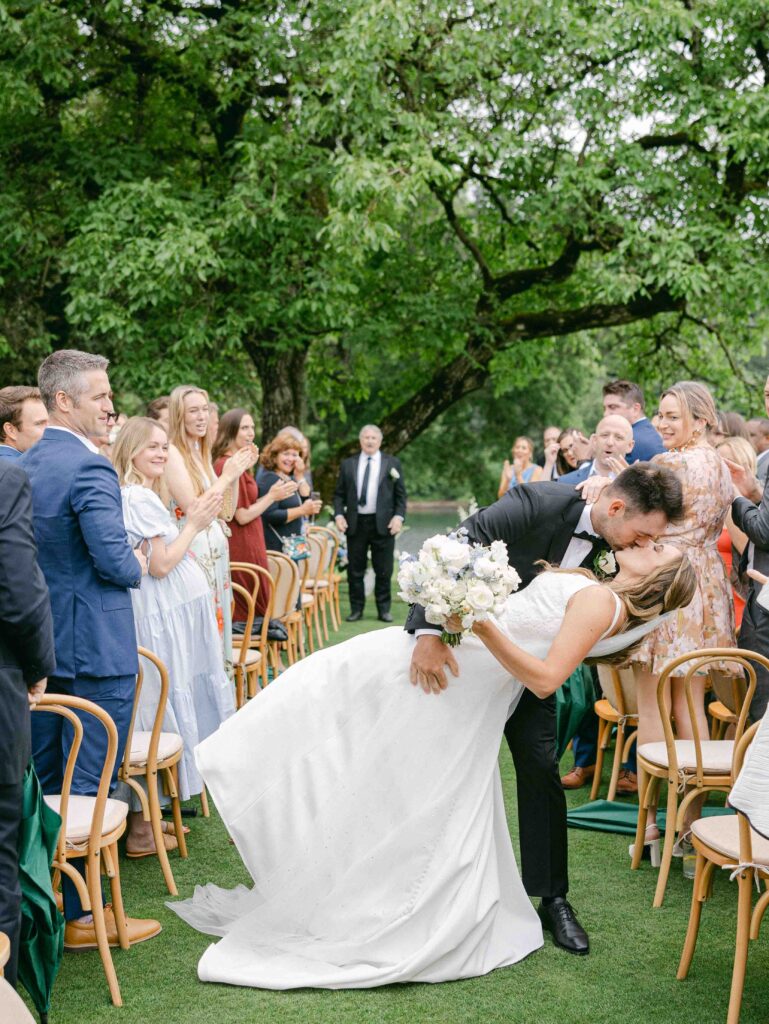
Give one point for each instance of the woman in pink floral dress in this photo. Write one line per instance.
(686, 411)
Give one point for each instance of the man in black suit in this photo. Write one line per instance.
(26, 660)
(551, 522)
(370, 506)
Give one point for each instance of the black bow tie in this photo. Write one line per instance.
(584, 535)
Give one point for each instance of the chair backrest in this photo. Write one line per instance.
(287, 583)
(619, 688)
(248, 600)
(147, 659)
(316, 563)
(72, 709)
(698, 663)
(259, 578)
(730, 690)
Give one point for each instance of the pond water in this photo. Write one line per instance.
(424, 523)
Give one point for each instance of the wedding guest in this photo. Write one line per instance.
(752, 517)
(566, 459)
(173, 611)
(612, 443)
(733, 541)
(23, 418)
(157, 409)
(758, 434)
(26, 659)
(189, 474)
(236, 431)
(303, 464)
(90, 570)
(283, 518)
(370, 506)
(522, 470)
(624, 398)
(728, 424)
(686, 412)
(213, 423)
(549, 454)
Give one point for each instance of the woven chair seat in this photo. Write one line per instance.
(722, 834)
(80, 816)
(716, 755)
(170, 743)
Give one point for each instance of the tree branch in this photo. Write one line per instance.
(469, 244)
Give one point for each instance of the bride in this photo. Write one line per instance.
(370, 815)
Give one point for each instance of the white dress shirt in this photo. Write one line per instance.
(579, 549)
(84, 440)
(368, 508)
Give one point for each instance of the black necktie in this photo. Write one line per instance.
(364, 485)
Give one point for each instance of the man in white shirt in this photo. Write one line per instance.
(370, 506)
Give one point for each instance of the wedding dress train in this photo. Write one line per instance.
(370, 817)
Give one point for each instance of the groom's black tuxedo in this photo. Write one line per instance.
(536, 521)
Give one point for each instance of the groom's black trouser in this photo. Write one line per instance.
(531, 736)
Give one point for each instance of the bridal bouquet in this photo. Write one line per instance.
(452, 577)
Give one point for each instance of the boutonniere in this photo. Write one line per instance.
(605, 564)
(394, 474)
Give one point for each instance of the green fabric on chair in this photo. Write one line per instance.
(572, 700)
(42, 926)
(605, 816)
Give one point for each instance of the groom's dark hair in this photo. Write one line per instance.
(645, 487)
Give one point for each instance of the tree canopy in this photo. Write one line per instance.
(347, 208)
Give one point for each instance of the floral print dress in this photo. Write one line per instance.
(708, 621)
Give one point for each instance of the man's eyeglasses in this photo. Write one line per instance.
(112, 417)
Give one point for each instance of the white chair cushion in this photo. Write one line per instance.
(307, 599)
(252, 657)
(716, 755)
(721, 832)
(169, 744)
(316, 584)
(80, 815)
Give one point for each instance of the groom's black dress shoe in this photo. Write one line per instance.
(558, 917)
(354, 617)
(385, 617)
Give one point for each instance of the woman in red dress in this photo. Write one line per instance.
(236, 430)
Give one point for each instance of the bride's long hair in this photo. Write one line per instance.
(669, 587)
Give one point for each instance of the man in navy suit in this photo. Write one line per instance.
(23, 418)
(90, 568)
(612, 443)
(623, 398)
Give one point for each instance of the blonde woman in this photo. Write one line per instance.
(522, 470)
(190, 474)
(686, 414)
(733, 541)
(173, 612)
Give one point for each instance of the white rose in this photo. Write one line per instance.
(498, 552)
(454, 555)
(394, 474)
(437, 613)
(480, 598)
(485, 567)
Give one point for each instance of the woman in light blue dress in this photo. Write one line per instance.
(522, 470)
(173, 611)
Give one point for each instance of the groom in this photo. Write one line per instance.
(551, 522)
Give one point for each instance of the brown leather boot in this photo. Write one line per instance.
(578, 777)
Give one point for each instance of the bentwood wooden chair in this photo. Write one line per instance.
(259, 581)
(329, 575)
(729, 692)
(90, 829)
(688, 767)
(316, 583)
(287, 586)
(153, 757)
(728, 842)
(616, 709)
(247, 662)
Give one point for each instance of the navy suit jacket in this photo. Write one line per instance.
(85, 556)
(6, 452)
(577, 475)
(26, 633)
(647, 442)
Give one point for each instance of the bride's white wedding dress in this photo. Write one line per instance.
(370, 817)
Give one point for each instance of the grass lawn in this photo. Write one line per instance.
(629, 976)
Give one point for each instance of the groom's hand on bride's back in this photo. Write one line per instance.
(429, 662)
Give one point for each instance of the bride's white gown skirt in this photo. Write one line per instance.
(370, 817)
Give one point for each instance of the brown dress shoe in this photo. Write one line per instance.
(80, 936)
(578, 777)
(627, 783)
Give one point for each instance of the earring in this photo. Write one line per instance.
(696, 433)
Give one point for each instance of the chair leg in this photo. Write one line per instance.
(616, 764)
(239, 698)
(600, 747)
(110, 855)
(745, 884)
(156, 819)
(667, 850)
(332, 609)
(698, 897)
(644, 784)
(204, 803)
(758, 913)
(93, 881)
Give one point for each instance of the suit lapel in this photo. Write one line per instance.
(381, 471)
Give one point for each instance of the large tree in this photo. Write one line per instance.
(386, 199)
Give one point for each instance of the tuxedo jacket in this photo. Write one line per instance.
(754, 521)
(390, 498)
(26, 631)
(85, 556)
(646, 442)
(536, 522)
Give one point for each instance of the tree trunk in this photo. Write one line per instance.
(282, 376)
